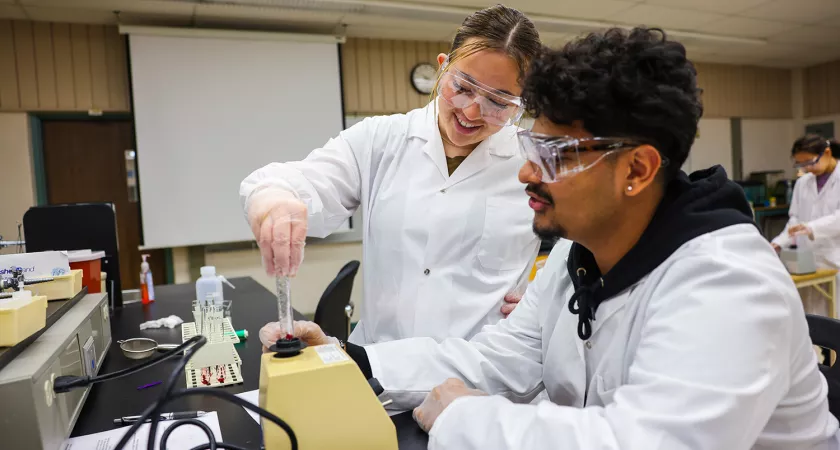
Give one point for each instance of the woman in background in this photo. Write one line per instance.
(447, 227)
(815, 208)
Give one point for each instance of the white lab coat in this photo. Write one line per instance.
(709, 351)
(821, 212)
(440, 252)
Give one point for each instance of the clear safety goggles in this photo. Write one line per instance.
(806, 164)
(556, 157)
(461, 91)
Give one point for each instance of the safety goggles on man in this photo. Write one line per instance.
(460, 91)
(556, 157)
(806, 164)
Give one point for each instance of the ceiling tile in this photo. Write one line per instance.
(799, 11)
(3, 2)
(665, 17)
(744, 27)
(715, 6)
(810, 35)
(573, 9)
(12, 12)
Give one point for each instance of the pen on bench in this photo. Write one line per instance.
(148, 385)
(128, 420)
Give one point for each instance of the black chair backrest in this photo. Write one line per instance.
(329, 314)
(78, 226)
(825, 332)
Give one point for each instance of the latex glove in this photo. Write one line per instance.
(801, 229)
(439, 399)
(511, 300)
(308, 332)
(776, 247)
(278, 221)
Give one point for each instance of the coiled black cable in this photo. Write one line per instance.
(189, 347)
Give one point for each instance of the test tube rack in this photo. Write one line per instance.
(217, 353)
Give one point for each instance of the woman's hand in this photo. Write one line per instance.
(801, 229)
(278, 221)
(308, 332)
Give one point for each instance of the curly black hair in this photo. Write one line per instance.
(621, 83)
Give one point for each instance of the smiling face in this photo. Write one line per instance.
(465, 127)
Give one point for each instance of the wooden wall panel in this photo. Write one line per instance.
(45, 65)
(349, 75)
(116, 60)
(60, 67)
(98, 66)
(26, 68)
(745, 91)
(9, 95)
(377, 74)
(822, 89)
(63, 57)
(376, 81)
(80, 47)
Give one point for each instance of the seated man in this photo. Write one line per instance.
(668, 324)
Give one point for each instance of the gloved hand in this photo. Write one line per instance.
(278, 221)
(801, 229)
(308, 332)
(439, 399)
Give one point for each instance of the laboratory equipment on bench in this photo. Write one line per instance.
(21, 316)
(799, 260)
(79, 336)
(292, 375)
(16, 281)
(217, 363)
(140, 348)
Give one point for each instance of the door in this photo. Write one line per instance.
(85, 161)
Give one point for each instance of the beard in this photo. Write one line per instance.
(549, 232)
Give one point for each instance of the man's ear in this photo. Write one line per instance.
(645, 163)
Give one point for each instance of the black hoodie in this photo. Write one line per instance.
(693, 205)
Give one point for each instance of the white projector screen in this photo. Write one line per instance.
(210, 110)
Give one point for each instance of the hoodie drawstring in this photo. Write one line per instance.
(581, 305)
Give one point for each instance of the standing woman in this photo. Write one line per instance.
(815, 207)
(447, 228)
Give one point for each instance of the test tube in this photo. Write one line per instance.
(284, 306)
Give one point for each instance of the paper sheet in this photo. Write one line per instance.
(184, 437)
(252, 397)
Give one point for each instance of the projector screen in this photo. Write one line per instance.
(209, 110)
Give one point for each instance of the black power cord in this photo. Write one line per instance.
(190, 347)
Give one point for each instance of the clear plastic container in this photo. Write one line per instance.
(208, 288)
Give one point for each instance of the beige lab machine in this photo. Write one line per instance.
(325, 399)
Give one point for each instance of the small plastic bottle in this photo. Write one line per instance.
(147, 285)
(210, 285)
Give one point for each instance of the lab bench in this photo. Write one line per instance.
(252, 307)
(819, 280)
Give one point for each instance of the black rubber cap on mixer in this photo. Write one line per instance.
(285, 348)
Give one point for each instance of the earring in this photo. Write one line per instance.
(629, 188)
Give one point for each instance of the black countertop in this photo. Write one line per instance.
(252, 307)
